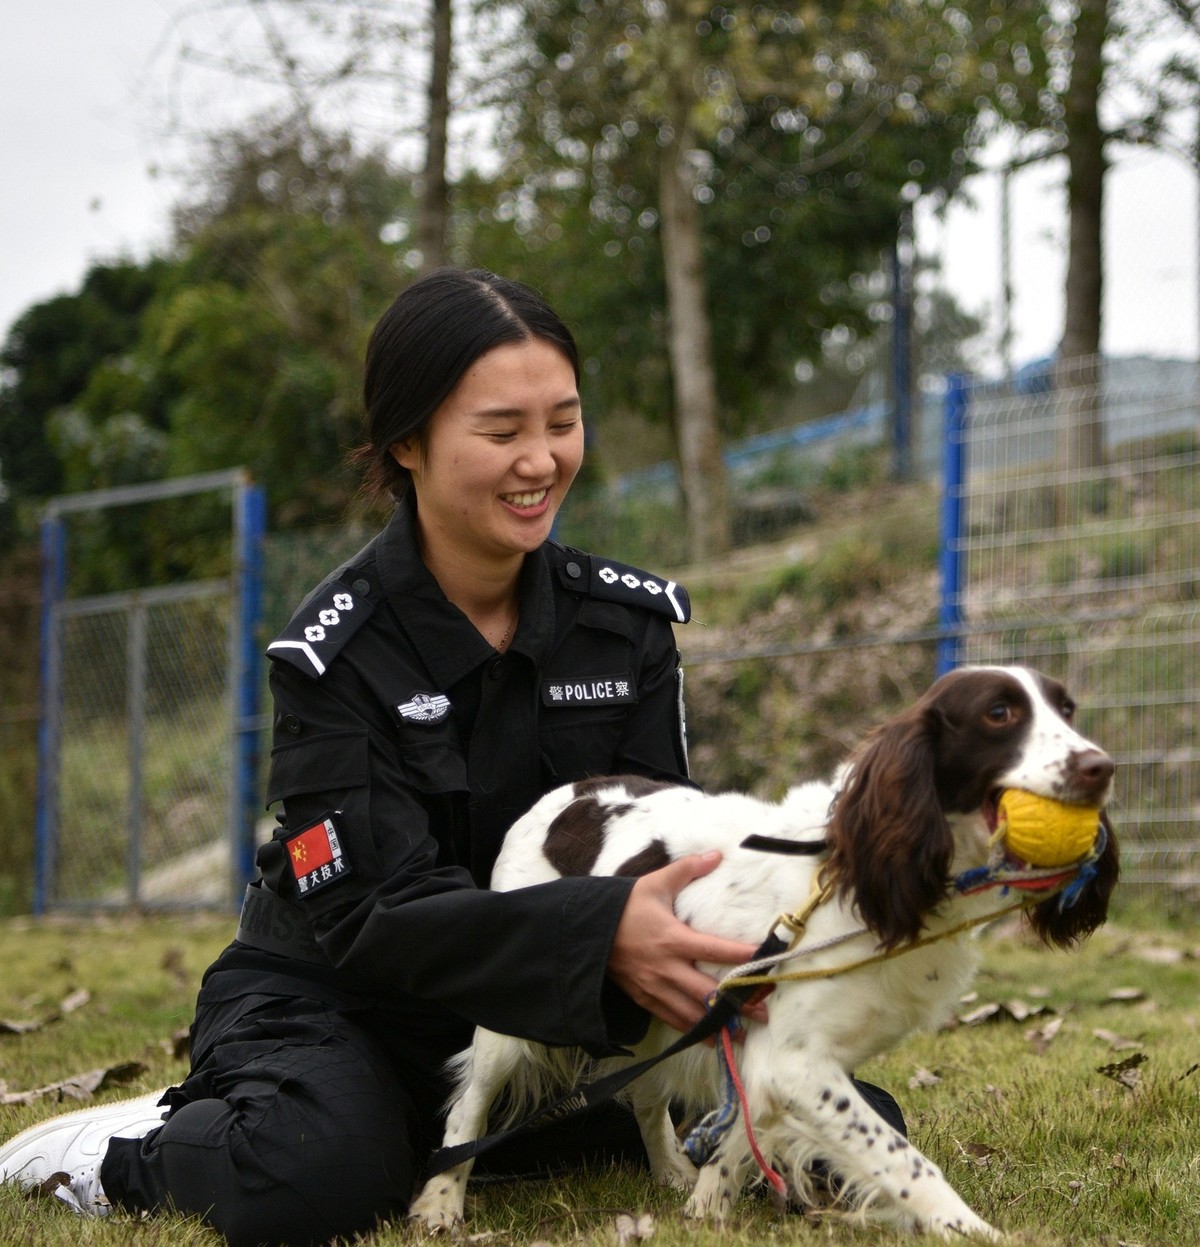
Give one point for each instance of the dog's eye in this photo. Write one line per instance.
(999, 713)
(1067, 709)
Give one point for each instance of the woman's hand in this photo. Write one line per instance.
(654, 955)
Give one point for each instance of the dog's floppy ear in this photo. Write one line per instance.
(890, 844)
(1055, 923)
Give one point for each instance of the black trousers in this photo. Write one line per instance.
(298, 1125)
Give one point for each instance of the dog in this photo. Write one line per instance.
(911, 810)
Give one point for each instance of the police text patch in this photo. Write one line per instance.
(316, 856)
(591, 690)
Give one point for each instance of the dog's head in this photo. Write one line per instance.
(918, 801)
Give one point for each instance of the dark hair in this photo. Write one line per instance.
(433, 332)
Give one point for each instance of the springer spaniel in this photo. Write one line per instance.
(911, 810)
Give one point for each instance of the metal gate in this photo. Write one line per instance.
(147, 752)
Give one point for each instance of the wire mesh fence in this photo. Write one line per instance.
(143, 780)
(1079, 543)
(149, 704)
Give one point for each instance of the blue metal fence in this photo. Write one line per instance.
(149, 736)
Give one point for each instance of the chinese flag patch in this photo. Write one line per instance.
(316, 856)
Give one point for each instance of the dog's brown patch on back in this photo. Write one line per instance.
(631, 785)
(653, 857)
(574, 838)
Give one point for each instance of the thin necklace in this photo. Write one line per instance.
(512, 623)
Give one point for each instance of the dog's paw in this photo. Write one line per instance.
(972, 1227)
(677, 1174)
(440, 1222)
(439, 1207)
(709, 1201)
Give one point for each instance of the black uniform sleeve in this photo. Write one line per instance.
(395, 918)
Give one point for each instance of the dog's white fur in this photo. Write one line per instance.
(795, 1067)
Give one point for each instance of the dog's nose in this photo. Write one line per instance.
(1091, 769)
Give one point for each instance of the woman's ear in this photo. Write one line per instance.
(406, 453)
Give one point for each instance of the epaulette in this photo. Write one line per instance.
(609, 581)
(324, 622)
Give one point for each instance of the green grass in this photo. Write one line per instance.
(1040, 1143)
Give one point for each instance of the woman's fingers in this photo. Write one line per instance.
(654, 955)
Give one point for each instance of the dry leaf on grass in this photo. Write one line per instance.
(924, 1078)
(76, 1000)
(1001, 1011)
(81, 1086)
(1041, 1037)
(1125, 1072)
(173, 964)
(10, 1027)
(176, 1047)
(1116, 1042)
(1125, 995)
(1161, 954)
(980, 1153)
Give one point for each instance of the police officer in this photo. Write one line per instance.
(425, 695)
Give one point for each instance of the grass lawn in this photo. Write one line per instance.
(1064, 1107)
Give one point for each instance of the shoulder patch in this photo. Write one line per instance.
(325, 622)
(317, 856)
(609, 581)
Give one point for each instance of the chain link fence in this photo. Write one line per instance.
(149, 730)
(1078, 547)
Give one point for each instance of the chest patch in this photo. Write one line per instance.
(316, 856)
(591, 690)
(425, 708)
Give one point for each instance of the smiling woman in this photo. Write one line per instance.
(426, 694)
(490, 473)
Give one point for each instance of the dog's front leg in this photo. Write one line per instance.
(485, 1071)
(829, 1119)
(722, 1177)
(668, 1163)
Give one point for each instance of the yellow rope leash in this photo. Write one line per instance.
(797, 922)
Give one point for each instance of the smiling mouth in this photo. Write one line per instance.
(526, 501)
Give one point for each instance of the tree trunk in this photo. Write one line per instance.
(432, 210)
(697, 431)
(1077, 373)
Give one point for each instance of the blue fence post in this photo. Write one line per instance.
(954, 469)
(249, 528)
(54, 586)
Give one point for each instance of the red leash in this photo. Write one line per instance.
(772, 1177)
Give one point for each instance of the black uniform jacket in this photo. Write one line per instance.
(405, 746)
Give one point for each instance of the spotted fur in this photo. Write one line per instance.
(912, 807)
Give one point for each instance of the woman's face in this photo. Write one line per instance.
(499, 454)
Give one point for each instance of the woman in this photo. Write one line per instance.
(424, 696)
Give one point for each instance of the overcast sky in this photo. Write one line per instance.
(81, 89)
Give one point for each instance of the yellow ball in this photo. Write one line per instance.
(1043, 832)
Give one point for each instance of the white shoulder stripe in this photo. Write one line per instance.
(305, 648)
(670, 592)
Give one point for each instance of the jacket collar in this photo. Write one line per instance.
(449, 645)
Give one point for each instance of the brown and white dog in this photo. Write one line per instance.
(913, 808)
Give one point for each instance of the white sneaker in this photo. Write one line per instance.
(70, 1147)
